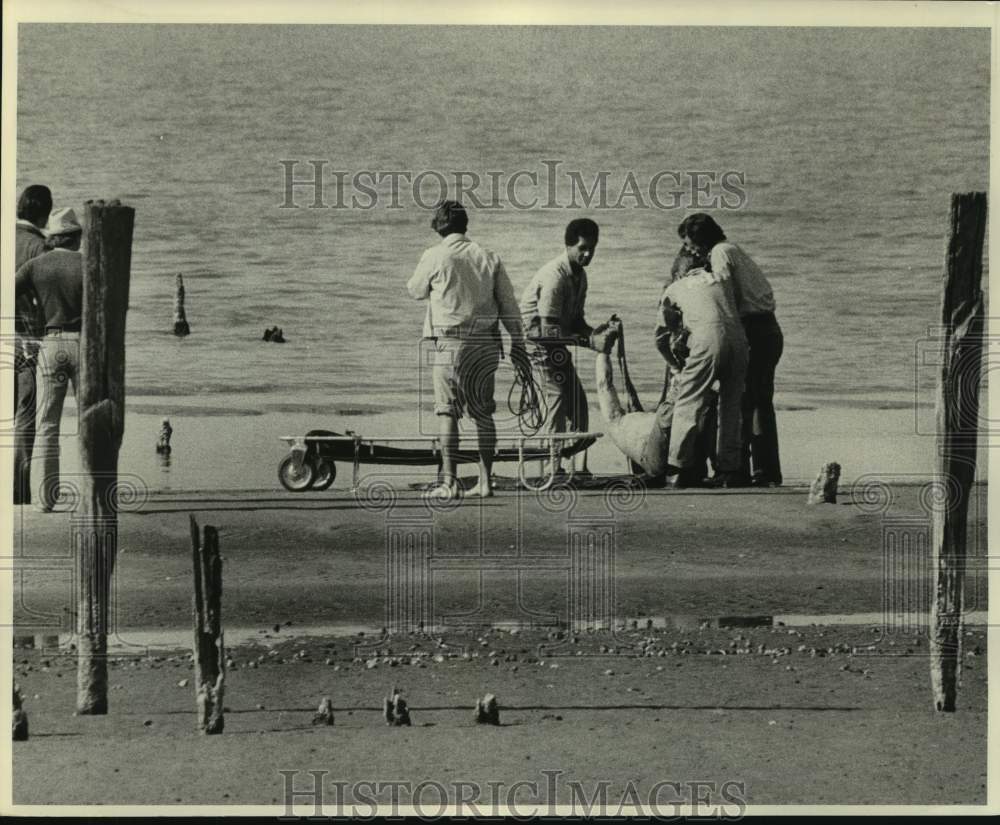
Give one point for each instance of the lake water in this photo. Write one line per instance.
(850, 143)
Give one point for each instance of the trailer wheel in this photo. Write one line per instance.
(296, 480)
(326, 472)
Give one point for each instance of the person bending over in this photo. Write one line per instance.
(754, 301)
(716, 352)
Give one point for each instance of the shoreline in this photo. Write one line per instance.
(232, 451)
(164, 639)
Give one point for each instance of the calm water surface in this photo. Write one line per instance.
(850, 142)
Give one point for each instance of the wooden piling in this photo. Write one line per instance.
(181, 327)
(487, 710)
(107, 256)
(824, 486)
(209, 649)
(397, 712)
(163, 440)
(324, 714)
(957, 411)
(19, 721)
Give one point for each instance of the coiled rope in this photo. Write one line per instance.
(528, 405)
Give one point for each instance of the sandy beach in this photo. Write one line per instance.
(824, 715)
(714, 648)
(761, 717)
(320, 558)
(235, 443)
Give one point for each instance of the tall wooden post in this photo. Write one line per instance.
(19, 721)
(957, 428)
(107, 258)
(209, 649)
(181, 327)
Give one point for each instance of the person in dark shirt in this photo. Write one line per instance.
(754, 301)
(33, 208)
(56, 281)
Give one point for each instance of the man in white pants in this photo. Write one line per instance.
(717, 353)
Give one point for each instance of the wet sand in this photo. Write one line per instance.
(320, 558)
(804, 715)
(783, 715)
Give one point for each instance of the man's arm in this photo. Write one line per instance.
(581, 329)
(551, 299)
(724, 269)
(669, 329)
(22, 279)
(419, 285)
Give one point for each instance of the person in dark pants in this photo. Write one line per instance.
(56, 281)
(33, 209)
(754, 300)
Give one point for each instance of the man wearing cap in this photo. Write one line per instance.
(33, 208)
(56, 281)
(469, 295)
(552, 309)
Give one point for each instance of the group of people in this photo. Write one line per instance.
(719, 335)
(48, 288)
(716, 330)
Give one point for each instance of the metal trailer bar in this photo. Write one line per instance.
(298, 448)
(513, 439)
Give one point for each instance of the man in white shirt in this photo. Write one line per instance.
(754, 301)
(469, 295)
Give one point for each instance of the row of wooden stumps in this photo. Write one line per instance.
(397, 713)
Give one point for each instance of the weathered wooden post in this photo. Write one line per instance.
(19, 721)
(163, 440)
(209, 650)
(107, 257)
(324, 714)
(396, 711)
(957, 427)
(824, 486)
(181, 327)
(487, 710)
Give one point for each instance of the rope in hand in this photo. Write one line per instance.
(528, 407)
(632, 403)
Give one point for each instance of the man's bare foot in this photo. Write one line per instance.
(481, 491)
(443, 492)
